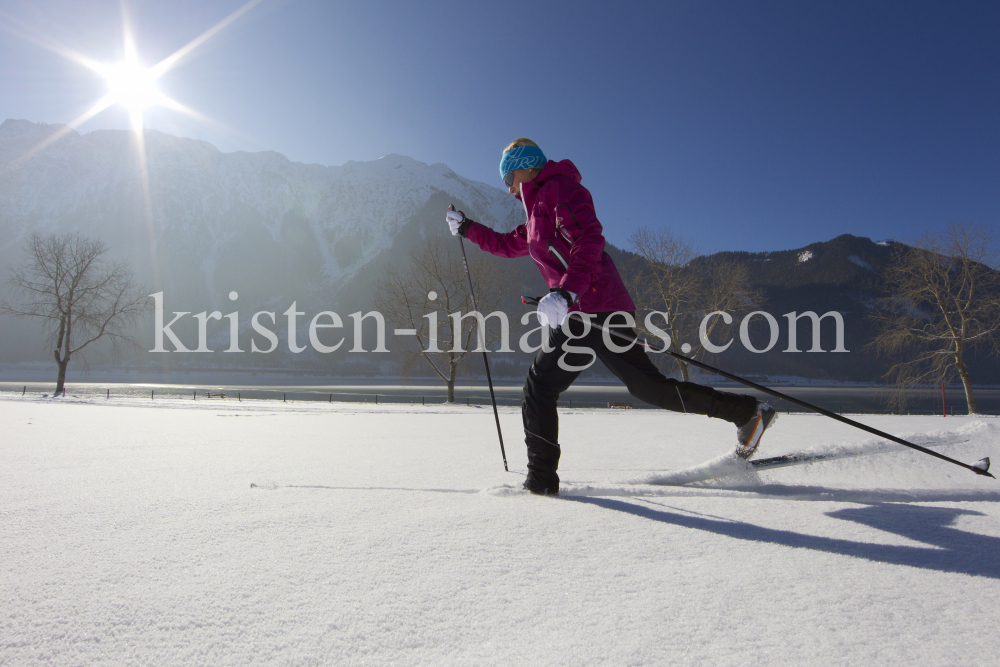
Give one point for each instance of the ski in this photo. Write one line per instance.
(803, 458)
(728, 465)
(799, 459)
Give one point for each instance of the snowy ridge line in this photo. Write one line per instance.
(726, 465)
(775, 491)
(570, 489)
(730, 465)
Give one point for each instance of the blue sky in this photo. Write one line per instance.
(742, 125)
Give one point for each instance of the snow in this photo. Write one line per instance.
(392, 535)
(854, 259)
(805, 256)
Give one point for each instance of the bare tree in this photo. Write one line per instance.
(944, 300)
(671, 282)
(79, 294)
(435, 281)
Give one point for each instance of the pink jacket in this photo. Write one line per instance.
(564, 237)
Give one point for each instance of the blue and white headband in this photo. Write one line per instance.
(521, 157)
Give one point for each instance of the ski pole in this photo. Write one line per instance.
(486, 360)
(980, 468)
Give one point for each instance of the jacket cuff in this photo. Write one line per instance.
(568, 296)
(467, 227)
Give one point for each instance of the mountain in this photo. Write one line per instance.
(216, 219)
(215, 222)
(841, 275)
(204, 224)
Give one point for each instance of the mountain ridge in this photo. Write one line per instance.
(92, 182)
(278, 231)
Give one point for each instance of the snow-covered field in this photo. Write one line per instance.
(378, 535)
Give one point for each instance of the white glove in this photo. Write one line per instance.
(552, 309)
(455, 220)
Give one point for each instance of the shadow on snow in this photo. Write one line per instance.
(952, 550)
(866, 496)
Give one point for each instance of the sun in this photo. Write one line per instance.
(129, 83)
(132, 86)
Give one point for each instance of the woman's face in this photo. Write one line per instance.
(521, 176)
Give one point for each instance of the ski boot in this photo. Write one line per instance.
(748, 435)
(542, 485)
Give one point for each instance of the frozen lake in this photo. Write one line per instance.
(850, 399)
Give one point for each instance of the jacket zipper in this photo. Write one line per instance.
(558, 256)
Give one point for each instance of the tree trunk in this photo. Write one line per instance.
(452, 372)
(675, 335)
(967, 384)
(61, 379)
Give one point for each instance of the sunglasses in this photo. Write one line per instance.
(508, 180)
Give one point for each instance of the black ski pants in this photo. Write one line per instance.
(554, 371)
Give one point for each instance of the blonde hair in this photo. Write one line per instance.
(522, 141)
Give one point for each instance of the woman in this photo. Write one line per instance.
(565, 239)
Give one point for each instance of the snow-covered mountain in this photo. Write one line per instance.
(277, 231)
(215, 222)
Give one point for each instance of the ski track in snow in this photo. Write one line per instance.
(178, 532)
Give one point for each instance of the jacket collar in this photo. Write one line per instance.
(552, 168)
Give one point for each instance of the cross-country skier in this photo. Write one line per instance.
(565, 239)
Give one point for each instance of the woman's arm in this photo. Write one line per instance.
(511, 244)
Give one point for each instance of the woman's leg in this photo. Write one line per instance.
(648, 384)
(546, 380)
